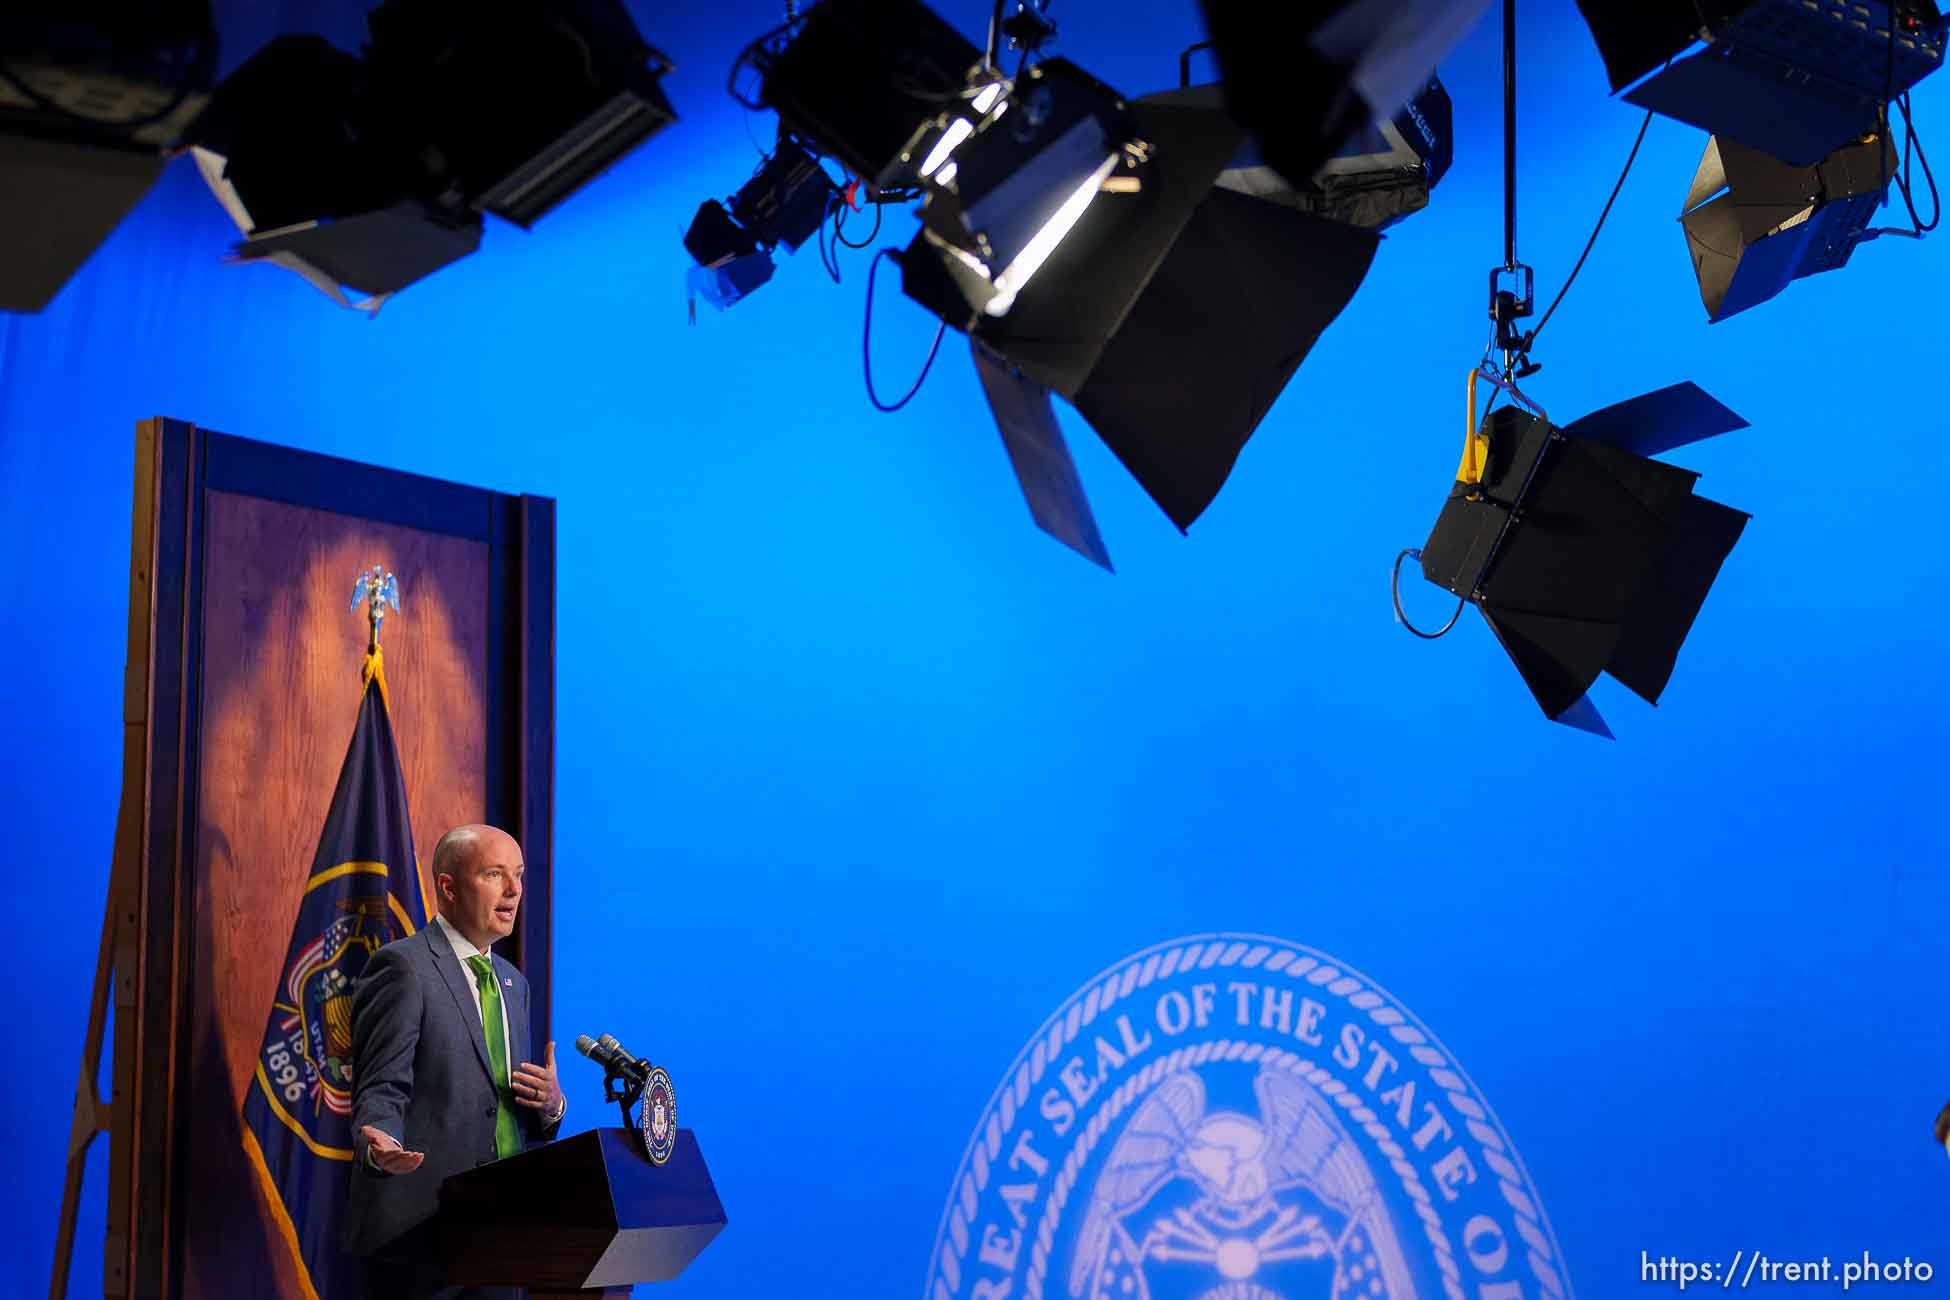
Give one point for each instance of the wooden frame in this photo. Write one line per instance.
(149, 920)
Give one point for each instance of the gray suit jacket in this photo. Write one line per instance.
(420, 1074)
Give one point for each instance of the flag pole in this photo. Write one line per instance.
(375, 591)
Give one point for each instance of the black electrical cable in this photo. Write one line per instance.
(836, 209)
(1909, 147)
(1395, 593)
(1395, 575)
(830, 259)
(744, 57)
(1037, 48)
(1590, 243)
(866, 345)
(746, 118)
(1911, 140)
(1912, 147)
(731, 80)
(1185, 62)
(878, 210)
(1888, 94)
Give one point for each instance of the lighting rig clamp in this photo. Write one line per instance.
(1029, 29)
(1512, 298)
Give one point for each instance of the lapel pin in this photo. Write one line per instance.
(509, 983)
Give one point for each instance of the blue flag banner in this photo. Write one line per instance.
(363, 891)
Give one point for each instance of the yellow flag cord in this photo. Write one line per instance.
(374, 670)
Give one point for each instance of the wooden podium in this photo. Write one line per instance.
(582, 1216)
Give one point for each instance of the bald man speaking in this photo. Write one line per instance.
(441, 1078)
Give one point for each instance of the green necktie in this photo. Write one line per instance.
(507, 1136)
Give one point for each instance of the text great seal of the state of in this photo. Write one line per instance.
(1235, 1117)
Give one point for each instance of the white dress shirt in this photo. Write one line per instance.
(463, 949)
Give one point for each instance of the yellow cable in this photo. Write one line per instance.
(1476, 446)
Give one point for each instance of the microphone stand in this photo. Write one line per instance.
(629, 1082)
(623, 1088)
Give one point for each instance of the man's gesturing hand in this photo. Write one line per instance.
(535, 1085)
(388, 1154)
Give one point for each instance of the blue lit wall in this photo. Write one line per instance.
(887, 774)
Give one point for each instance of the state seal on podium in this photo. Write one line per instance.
(657, 1120)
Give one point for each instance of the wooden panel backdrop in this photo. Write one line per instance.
(281, 690)
(243, 687)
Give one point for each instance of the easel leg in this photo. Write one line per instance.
(91, 1116)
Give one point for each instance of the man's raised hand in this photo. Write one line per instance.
(536, 1087)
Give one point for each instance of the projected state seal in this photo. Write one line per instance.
(1233, 1117)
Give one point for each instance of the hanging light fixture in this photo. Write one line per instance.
(1754, 224)
(90, 98)
(1171, 319)
(524, 101)
(1796, 79)
(1007, 183)
(1582, 553)
(784, 203)
(1305, 79)
(862, 82)
(371, 173)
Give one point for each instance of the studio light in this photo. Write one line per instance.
(1797, 79)
(303, 160)
(863, 82)
(1583, 554)
(1306, 79)
(1009, 182)
(372, 173)
(730, 260)
(1171, 319)
(525, 101)
(784, 202)
(1754, 223)
(86, 110)
(936, 143)
(1383, 172)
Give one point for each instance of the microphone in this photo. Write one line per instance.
(608, 1053)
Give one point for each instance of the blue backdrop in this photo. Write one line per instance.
(906, 773)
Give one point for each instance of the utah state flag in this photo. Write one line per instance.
(363, 891)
